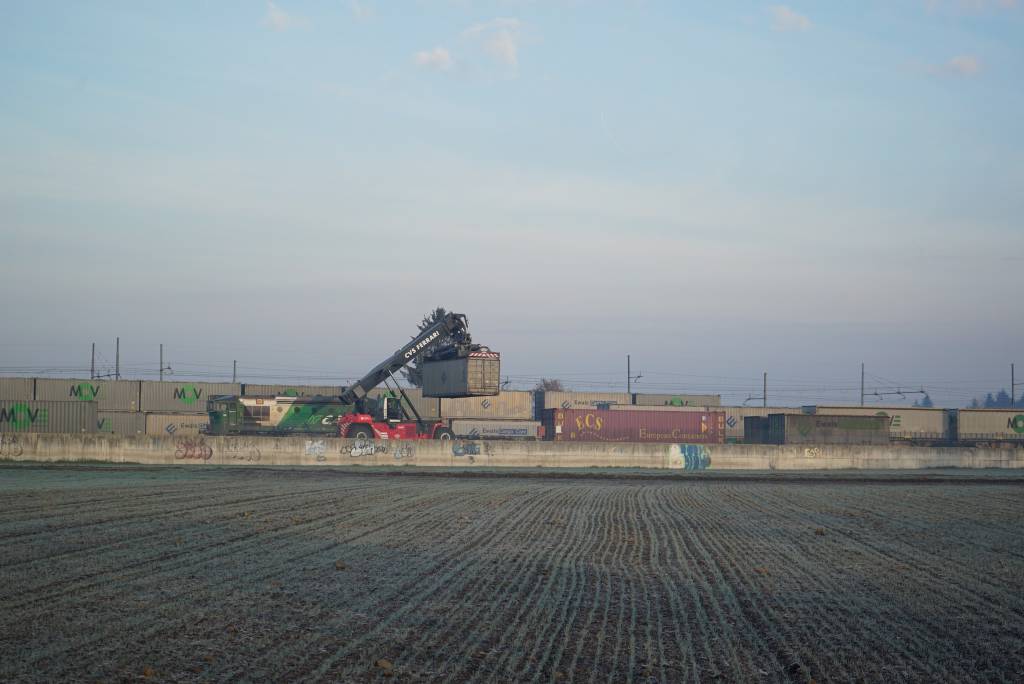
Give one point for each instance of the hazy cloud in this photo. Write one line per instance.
(279, 20)
(361, 10)
(439, 58)
(500, 37)
(965, 65)
(972, 6)
(786, 19)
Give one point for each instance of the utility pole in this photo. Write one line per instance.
(862, 383)
(92, 364)
(764, 391)
(117, 359)
(1013, 388)
(629, 379)
(234, 372)
(161, 363)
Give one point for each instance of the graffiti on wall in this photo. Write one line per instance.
(693, 457)
(193, 449)
(365, 447)
(9, 446)
(317, 448)
(245, 450)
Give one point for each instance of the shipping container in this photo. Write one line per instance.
(429, 408)
(677, 400)
(477, 375)
(906, 423)
(827, 429)
(22, 389)
(571, 400)
(176, 424)
(121, 422)
(996, 425)
(109, 395)
(183, 397)
(734, 415)
(496, 429)
(755, 430)
(597, 425)
(47, 416)
(249, 389)
(505, 406)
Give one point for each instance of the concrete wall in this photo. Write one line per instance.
(466, 453)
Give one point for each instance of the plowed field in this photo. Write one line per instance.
(181, 574)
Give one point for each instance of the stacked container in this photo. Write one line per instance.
(595, 425)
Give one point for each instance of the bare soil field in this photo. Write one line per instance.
(203, 574)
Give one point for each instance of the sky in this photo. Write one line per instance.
(717, 189)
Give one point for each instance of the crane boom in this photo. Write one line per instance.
(453, 325)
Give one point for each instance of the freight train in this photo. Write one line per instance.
(134, 407)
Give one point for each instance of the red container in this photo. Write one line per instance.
(584, 425)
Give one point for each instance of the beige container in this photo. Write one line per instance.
(583, 400)
(995, 424)
(181, 424)
(734, 415)
(22, 389)
(496, 429)
(905, 423)
(183, 397)
(677, 399)
(109, 395)
(429, 408)
(249, 389)
(121, 422)
(504, 406)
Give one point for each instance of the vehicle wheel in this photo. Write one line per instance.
(360, 432)
(444, 433)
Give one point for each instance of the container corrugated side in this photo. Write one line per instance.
(249, 389)
(171, 424)
(1000, 424)
(820, 429)
(677, 399)
(570, 400)
(495, 429)
(183, 397)
(47, 416)
(596, 425)
(477, 375)
(734, 415)
(905, 422)
(429, 408)
(109, 395)
(22, 389)
(506, 406)
(121, 422)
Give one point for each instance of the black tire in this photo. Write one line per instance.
(444, 433)
(360, 432)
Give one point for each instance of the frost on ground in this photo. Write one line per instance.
(179, 574)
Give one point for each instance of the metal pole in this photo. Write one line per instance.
(234, 372)
(861, 384)
(1013, 388)
(764, 390)
(117, 360)
(629, 380)
(92, 364)
(161, 363)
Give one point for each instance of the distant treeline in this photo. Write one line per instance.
(1001, 399)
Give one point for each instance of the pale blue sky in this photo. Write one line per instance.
(717, 189)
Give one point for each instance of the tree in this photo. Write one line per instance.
(974, 403)
(413, 374)
(1002, 399)
(549, 385)
(925, 402)
(990, 402)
